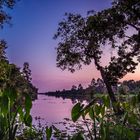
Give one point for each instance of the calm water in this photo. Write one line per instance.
(56, 111)
(51, 109)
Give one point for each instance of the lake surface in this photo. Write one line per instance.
(49, 110)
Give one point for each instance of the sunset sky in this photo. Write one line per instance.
(30, 39)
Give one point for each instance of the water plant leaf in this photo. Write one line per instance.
(28, 120)
(103, 111)
(106, 101)
(76, 112)
(91, 114)
(132, 119)
(28, 103)
(48, 132)
(12, 94)
(97, 109)
(21, 113)
(134, 100)
(4, 104)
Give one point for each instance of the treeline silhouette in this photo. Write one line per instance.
(95, 87)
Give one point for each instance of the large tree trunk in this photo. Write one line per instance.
(115, 105)
(111, 94)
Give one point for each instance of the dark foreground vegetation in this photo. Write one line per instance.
(113, 117)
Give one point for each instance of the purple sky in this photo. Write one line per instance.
(30, 39)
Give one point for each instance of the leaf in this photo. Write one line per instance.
(21, 114)
(103, 111)
(86, 111)
(131, 135)
(4, 104)
(76, 112)
(48, 132)
(28, 120)
(106, 101)
(91, 114)
(28, 103)
(97, 109)
(125, 118)
(134, 101)
(132, 119)
(11, 93)
(126, 105)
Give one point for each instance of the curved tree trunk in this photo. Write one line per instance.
(115, 105)
(111, 94)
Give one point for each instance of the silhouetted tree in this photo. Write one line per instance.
(27, 72)
(133, 86)
(92, 86)
(3, 48)
(100, 82)
(82, 40)
(30, 88)
(4, 16)
(138, 84)
(80, 88)
(130, 84)
(93, 83)
(100, 86)
(74, 88)
(3, 63)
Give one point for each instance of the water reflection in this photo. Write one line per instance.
(51, 109)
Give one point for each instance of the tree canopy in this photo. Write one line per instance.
(82, 40)
(83, 37)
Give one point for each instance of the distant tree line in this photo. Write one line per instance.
(96, 87)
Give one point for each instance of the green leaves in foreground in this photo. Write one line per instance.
(76, 112)
(28, 103)
(106, 125)
(48, 132)
(28, 120)
(14, 108)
